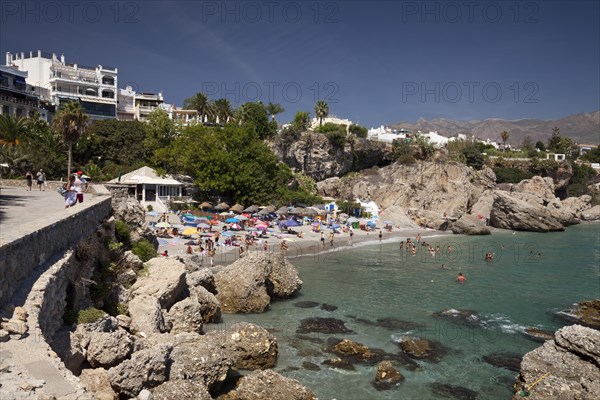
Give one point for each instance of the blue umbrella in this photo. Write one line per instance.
(290, 222)
(335, 226)
(232, 220)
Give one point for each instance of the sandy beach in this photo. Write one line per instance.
(309, 245)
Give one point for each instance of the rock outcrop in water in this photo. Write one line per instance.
(567, 367)
(248, 284)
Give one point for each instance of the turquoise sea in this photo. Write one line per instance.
(532, 277)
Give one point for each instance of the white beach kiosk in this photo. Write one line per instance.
(149, 188)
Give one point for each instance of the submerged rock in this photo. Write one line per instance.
(504, 360)
(387, 376)
(423, 349)
(310, 366)
(588, 313)
(328, 307)
(395, 324)
(538, 335)
(564, 368)
(323, 325)
(306, 304)
(464, 317)
(451, 391)
(339, 363)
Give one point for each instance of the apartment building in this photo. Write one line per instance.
(19, 98)
(95, 88)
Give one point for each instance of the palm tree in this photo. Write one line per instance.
(504, 135)
(321, 111)
(223, 110)
(274, 109)
(13, 130)
(70, 121)
(201, 103)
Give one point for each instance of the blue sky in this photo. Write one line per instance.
(374, 62)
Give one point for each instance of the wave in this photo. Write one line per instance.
(504, 323)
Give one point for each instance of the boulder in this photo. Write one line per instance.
(132, 261)
(508, 361)
(96, 382)
(483, 204)
(252, 346)
(181, 390)
(588, 313)
(146, 369)
(428, 219)
(577, 205)
(470, 225)
(540, 187)
(185, 316)
(107, 349)
(538, 335)
(445, 390)
(564, 368)
(210, 308)
(248, 284)
(387, 376)
(593, 214)
(146, 315)
(511, 213)
(202, 277)
(201, 358)
(562, 213)
(270, 385)
(165, 281)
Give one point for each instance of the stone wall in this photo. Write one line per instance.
(19, 258)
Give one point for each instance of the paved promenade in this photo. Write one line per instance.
(23, 212)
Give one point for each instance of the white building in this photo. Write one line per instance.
(314, 123)
(95, 88)
(149, 188)
(17, 97)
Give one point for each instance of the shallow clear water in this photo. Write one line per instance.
(532, 277)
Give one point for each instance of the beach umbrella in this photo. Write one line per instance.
(281, 211)
(289, 223)
(352, 220)
(203, 226)
(311, 211)
(388, 222)
(163, 225)
(335, 226)
(237, 208)
(235, 226)
(188, 215)
(252, 209)
(297, 210)
(221, 207)
(225, 213)
(152, 213)
(190, 231)
(192, 201)
(232, 220)
(344, 215)
(204, 205)
(242, 217)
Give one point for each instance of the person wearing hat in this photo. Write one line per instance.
(80, 185)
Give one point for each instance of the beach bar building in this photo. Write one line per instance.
(150, 189)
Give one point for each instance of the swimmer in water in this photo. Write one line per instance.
(460, 278)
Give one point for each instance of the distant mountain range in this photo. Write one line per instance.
(583, 128)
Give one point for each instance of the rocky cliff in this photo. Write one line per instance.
(314, 155)
(436, 194)
(567, 367)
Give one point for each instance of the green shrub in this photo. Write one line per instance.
(473, 157)
(358, 131)
(115, 309)
(510, 175)
(145, 271)
(122, 231)
(337, 139)
(144, 250)
(330, 127)
(149, 207)
(89, 315)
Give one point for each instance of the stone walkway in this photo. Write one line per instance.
(23, 212)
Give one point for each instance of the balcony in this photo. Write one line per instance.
(14, 100)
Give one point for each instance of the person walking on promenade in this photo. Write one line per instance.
(29, 178)
(71, 195)
(41, 179)
(80, 186)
